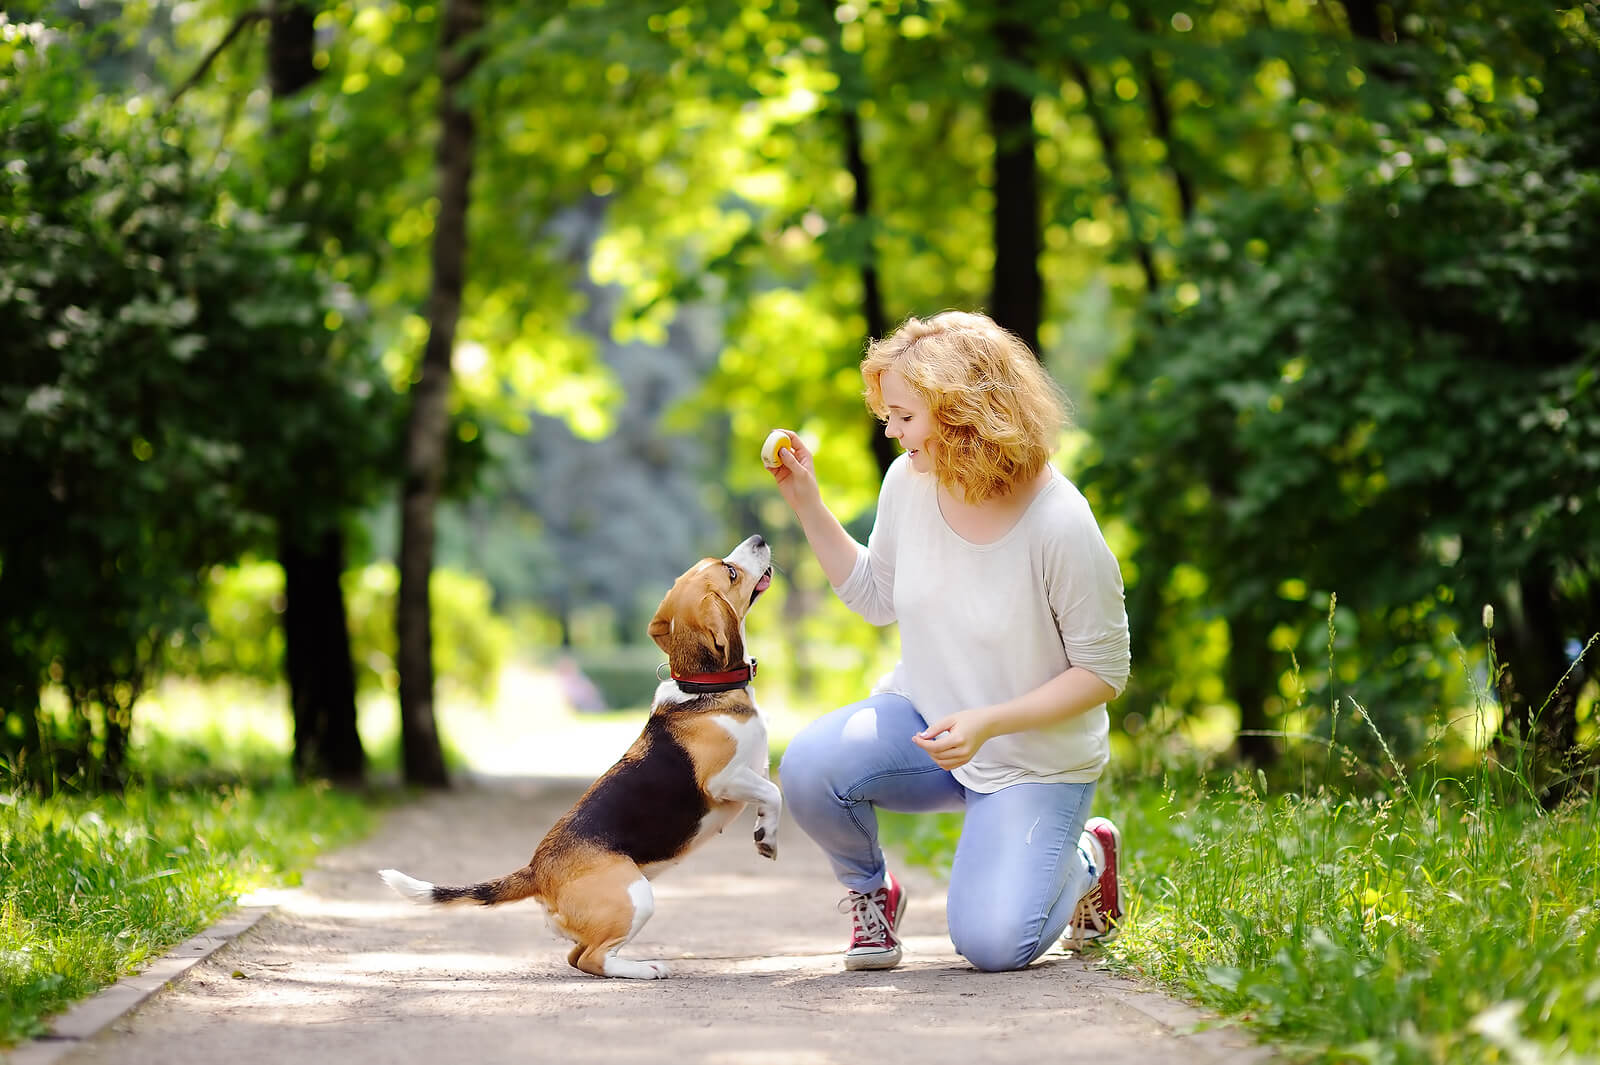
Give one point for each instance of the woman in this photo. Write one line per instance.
(1013, 636)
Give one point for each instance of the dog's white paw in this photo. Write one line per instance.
(766, 843)
(626, 969)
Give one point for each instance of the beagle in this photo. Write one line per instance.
(701, 758)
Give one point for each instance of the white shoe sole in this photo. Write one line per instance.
(880, 959)
(887, 959)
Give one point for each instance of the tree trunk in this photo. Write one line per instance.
(421, 755)
(1119, 182)
(883, 449)
(1161, 115)
(1540, 707)
(1016, 301)
(322, 683)
(1379, 24)
(291, 47)
(22, 743)
(1249, 673)
(853, 88)
(316, 633)
(1365, 20)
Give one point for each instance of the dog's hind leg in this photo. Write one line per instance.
(602, 913)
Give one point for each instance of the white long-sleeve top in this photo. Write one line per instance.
(984, 623)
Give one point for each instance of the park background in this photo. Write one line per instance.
(370, 369)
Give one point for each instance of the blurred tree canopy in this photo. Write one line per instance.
(1391, 397)
(1315, 273)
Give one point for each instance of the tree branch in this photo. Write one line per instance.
(1161, 112)
(1120, 188)
(245, 19)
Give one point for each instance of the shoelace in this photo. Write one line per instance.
(1088, 917)
(871, 925)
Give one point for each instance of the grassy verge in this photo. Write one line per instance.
(91, 887)
(1437, 923)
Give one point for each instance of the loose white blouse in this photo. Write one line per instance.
(984, 623)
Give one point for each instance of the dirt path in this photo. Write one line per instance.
(346, 972)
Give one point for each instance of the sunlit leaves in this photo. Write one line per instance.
(1368, 392)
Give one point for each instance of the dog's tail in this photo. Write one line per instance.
(508, 888)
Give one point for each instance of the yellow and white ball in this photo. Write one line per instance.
(777, 440)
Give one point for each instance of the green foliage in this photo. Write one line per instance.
(677, 257)
(170, 388)
(1434, 923)
(1449, 928)
(242, 634)
(470, 642)
(93, 888)
(1394, 398)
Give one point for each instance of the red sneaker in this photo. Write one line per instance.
(875, 921)
(1098, 917)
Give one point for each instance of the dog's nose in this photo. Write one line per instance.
(757, 541)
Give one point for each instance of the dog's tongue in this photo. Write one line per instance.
(765, 582)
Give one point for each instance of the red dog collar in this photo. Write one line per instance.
(701, 683)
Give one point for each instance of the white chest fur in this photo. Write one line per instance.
(726, 787)
(742, 779)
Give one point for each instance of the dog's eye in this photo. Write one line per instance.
(733, 571)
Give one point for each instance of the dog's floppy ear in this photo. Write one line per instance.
(722, 625)
(662, 625)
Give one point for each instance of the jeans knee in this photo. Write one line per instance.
(803, 770)
(996, 947)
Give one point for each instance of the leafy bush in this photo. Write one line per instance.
(242, 635)
(470, 642)
(170, 383)
(1394, 398)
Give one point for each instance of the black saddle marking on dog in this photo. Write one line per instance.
(647, 808)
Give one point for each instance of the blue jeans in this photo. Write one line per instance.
(1018, 872)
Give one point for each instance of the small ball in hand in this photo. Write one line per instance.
(777, 440)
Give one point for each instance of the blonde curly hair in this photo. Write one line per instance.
(996, 412)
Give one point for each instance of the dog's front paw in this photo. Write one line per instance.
(767, 833)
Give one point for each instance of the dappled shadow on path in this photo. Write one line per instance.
(347, 971)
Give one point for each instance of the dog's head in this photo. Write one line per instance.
(700, 623)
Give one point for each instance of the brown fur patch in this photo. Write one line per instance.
(593, 906)
(711, 747)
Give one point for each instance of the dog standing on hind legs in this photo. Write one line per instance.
(701, 758)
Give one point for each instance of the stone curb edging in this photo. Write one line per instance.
(1205, 1033)
(94, 1014)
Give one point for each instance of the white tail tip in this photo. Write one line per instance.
(406, 886)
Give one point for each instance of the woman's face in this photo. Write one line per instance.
(910, 421)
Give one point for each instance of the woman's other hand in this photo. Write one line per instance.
(953, 741)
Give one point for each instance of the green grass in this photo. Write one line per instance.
(91, 887)
(1439, 920)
